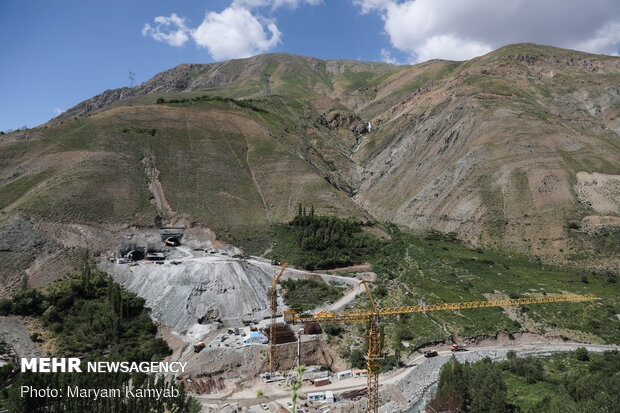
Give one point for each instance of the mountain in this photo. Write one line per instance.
(518, 149)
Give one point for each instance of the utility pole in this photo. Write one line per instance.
(132, 79)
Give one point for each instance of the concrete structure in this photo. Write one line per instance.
(155, 256)
(316, 397)
(171, 236)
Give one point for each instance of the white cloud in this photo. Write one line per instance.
(372, 5)
(171, 30)
(274, 4)
(462, 29)
(457, 49)
(605, 41)
(58, 111)
(235, 33)
(386, 57)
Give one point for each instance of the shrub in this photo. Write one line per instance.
(581, 354)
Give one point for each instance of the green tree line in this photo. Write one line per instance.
(92, 317)
(320, 242)
(576, 382)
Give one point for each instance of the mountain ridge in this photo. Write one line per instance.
(516, 150)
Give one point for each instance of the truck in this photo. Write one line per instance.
(458, 347)
(430, 353)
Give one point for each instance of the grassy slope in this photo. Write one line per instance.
(560, 370)
(215, 161)
(413, 270)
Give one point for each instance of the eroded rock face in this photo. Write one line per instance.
(20, 244)
(573, 63)
(97, 103)
(193, 293)
(599, 191)
(339, 119)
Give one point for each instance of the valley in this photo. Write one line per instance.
(496, 178)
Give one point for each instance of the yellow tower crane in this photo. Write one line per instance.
(373, 318)
(272, 296)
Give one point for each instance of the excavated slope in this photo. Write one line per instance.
(180, 295)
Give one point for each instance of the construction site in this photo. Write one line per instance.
(223, 313)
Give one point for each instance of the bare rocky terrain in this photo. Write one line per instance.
(509, 150)
(514, 151)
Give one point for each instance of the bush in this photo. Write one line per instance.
(308, 294)
(581, 354)
(333, 329)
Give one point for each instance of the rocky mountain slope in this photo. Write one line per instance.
(517, 149)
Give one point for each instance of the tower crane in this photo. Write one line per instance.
(272, 296)
(373, 318)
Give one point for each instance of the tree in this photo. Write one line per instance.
(581, 354)
(295, 386)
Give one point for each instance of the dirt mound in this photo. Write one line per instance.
(181, 296)
(250, 361)
(20, 245)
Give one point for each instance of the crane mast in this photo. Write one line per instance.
(272, 296)
(373, 318)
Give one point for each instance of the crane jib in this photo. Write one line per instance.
(292, 316)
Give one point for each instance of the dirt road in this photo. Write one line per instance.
(410, 382)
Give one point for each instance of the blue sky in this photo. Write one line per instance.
(56, 54)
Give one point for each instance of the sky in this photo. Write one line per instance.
(55, 54)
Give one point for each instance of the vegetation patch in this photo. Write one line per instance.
(320, 242)
(14, 190)
(245, 103)
(564, 382)
(6, 370)
(412, 270)
(92, 316)
(309, 294)
(134, 131)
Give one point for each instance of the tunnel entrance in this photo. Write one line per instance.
(135, 255)
(172, 236)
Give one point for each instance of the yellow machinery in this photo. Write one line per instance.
(272, 295)
(373, 318)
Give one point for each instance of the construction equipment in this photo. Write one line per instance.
(430, 353)
(457, 347)
(272, 296)
(373, 318)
